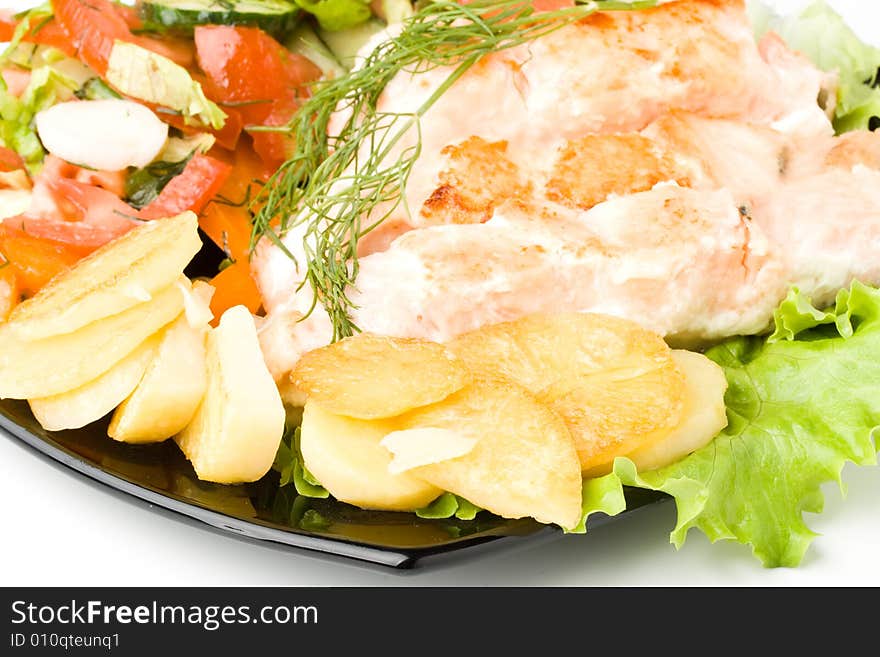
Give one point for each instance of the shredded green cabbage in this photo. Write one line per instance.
(17, 128)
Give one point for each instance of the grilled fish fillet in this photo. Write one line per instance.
(656, 165)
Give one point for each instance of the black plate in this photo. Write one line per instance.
(161, 476)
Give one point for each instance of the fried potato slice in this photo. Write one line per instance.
(615, 384)
(370, 377)
(170, 391)
(346, 456)
(92, 401)
(61, 363)
(704, 415)
(524, 462)
(174, 383)
(236, 430)
(118, 276)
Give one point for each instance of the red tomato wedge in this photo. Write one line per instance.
(75, 206)
(130, 15)
(244, 65)
(276, 147)
(180, 51)
(47, 33)
(199, 182)
(248, 71)
(93, 27)
(10, 160)
(86, 216)
(552, 5)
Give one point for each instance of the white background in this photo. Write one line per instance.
(58, 529)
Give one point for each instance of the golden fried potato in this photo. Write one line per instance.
(703, 418)
(524, 462)
(173, 386)
(170, 391)
(370, 377)
(92, 401)
(346, 456)
(118, 276)
(614, 383)
(235, 433)
(61, 363)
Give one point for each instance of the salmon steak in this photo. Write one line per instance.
(660, 166)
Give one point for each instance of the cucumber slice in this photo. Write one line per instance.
(346, 43)
(305, 42)
(273, 16)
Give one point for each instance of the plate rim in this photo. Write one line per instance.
(397, 560)
(388, 558)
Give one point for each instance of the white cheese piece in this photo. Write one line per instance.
(413, 448)
(107, 135)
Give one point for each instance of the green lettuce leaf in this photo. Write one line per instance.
(17, 130)
(337, 15)
(601, 495)
(447, 506)
(289, 464)
(822, 35)
(800, 405)
(798, 314)
(30, 21)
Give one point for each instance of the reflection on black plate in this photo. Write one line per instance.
(160, 475)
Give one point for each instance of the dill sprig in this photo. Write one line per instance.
(338, 187)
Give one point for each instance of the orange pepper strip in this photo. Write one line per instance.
(234, 286)
(229, 227)
(36, 261)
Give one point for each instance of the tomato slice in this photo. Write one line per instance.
(46, 33)
(552, 5)
(249, 71)
(87, 216)
(178, 50)
(93, 27)
(10, 160)
(131, 16)
(197, 184)
(275, 147)
(76, 206)
(244, 65)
